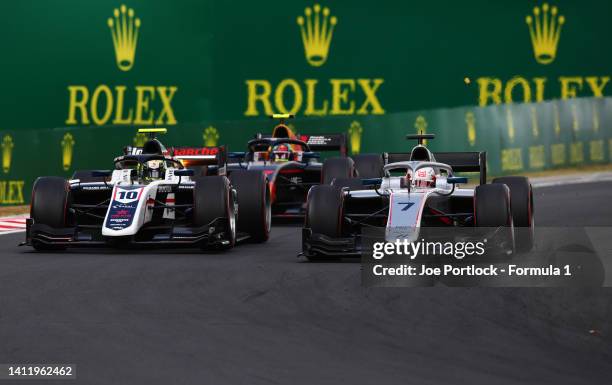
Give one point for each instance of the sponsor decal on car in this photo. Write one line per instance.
(123, 207)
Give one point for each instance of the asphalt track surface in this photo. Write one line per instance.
(259, 315)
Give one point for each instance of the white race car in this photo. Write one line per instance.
(154, 196)
(406, 193)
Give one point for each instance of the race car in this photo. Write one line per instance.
(292, 165)
(416, 191)
(152, 197)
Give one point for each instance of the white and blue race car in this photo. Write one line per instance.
(405, 194)
(153, 196)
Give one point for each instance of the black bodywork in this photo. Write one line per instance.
(289, 180)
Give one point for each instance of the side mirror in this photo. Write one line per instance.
(101, 173)
(184, 172)
(457, 180)
(371, 181)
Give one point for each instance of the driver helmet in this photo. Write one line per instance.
(155, 169)
(281, 153)
(425, 177)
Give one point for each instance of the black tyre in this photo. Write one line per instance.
(253, 195)
(337, 168)
(369, 165)
(492, 205)
(521, 203)
(492, 209)
(325, 210)
(212, 199)
(50, 201)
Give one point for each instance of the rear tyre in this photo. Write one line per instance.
(49, 206)
(521, 203)
(369, 165)
(339, 167)
(253, 195)
(492, 209)
(212, 199)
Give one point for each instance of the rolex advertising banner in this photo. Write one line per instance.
(512, 78)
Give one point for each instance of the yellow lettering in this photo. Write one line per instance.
(143, 104)
(75, 103)
(94, 105)
(570, 86)
(370, 94)
(279, 94)
(485, 93)
(15, 194)
(253, 97)
(539, 87)
(596, 88)
(119, 119)
(341, 96)
(517, 80)
(311, 109)
(166, 94)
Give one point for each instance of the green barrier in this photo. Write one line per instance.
(517, 137)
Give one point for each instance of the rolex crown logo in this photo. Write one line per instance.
(124, 29)
(545, 30)
(67, 146)
(317, 28)
(7, 151)
(355, 131)
(470, 121)
(211, 136)
(421, 126)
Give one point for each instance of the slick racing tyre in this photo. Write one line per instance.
(49, 206)
(254, 212)
(339, 167)
(492, 210)
(325, 213)
(212, 199)
(521, 203)
(369, 165)
(325, 210)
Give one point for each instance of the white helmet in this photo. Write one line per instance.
(425, 177)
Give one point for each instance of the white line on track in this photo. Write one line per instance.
(13, 224)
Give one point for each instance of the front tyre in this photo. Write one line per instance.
(50, 201)
(213, 200)
(254, 211)
(324, 214)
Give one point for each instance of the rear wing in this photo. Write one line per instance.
(459, 161)
(200, 156)
(326, 142)
(322, 142)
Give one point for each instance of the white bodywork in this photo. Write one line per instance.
(406, 204)
(131, 202)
